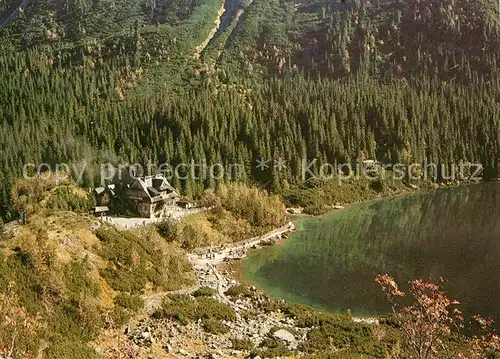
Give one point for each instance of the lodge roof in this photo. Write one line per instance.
(154, 186)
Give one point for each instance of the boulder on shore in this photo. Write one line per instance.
(284, 335)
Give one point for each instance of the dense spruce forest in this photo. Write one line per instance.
(119, 81)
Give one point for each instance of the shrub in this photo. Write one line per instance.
(306, 316)
(126, 306)
(192, 237)
(204, 292)
(431, 318)
(316, 195)
(198, 230)
(61, 299)
(228, 225)
(70, 350)
(26, 195)
(239, 290)
(329, 330)
(133, 302)
(63, 198)
(134, 261)
(74, 321)
(78, 281)
(242, 344)
(209, 199)
(272, 348)
(315, 210)
(18, 329)
(254, 205)
(178, 307)
(185, 309)
(119, 316)
(212, 308)
(168, 229)
(215, 327)
(347, 336)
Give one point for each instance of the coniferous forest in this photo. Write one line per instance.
(127, 81)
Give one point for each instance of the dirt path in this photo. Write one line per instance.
(129, 222)
(205, 264)
(203, 254)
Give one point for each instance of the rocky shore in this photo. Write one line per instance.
(258, 322)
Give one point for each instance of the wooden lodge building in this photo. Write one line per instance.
(151, 196)
(146, 197)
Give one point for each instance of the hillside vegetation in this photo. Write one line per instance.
(449, 39)
(64, 278)
(68, 279)
(235, 212)
(285, 81)
(85, 83)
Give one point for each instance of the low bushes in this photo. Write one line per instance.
(252, 204)
(168, 229)
(71, 350)
(191, 232)
(58, 302)
(204, 292)
(316, 195)
(78, 280)
(242, 344)
(64, 198)
(239, 290)
(126, 306)
(316, 209)
(356, 338)
(138, 260)
(185, 309)
(331, 331)
(215, 327)
(133, 302)
(134, 261)
(271, 348)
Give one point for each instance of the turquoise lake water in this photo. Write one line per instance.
(331, 261)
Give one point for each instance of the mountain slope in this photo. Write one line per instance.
(85, 83)
(450, 38)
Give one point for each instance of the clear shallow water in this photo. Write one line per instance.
(331, 261)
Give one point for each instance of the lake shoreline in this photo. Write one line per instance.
(259, 314)
(236, 271)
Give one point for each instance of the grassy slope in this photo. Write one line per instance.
(79, 281)
(75, 276)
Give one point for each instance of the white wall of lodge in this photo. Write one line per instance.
(156, 207)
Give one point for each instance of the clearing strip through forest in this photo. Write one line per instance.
(212, 32)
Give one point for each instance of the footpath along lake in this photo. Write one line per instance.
(331, 261)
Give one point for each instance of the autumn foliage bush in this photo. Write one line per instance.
(236, 212)
(254, 205)
(432, 319)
